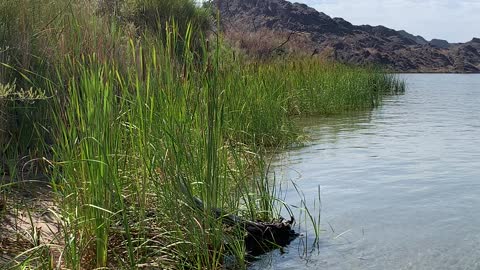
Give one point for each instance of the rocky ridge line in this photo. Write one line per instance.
(340, 40)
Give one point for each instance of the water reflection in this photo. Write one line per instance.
(399, 185)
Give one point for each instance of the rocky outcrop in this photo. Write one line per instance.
(418, 39)
(338, 39)
(439, 43)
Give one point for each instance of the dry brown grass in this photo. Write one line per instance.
(265, 43)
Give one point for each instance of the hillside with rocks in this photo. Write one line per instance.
(337, 39)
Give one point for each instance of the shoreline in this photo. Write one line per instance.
(440, 72)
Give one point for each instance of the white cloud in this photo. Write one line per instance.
(454, 20)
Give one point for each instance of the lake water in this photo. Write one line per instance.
(399, 186)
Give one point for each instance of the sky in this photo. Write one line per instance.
(453, 20)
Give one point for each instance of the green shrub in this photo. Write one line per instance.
(155, 14)
(39, 36)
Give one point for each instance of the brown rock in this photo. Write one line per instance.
(336, 38)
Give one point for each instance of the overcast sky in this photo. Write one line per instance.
(453, 20)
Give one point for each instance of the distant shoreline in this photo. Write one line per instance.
(431, 72)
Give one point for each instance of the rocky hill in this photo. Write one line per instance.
(338, 39)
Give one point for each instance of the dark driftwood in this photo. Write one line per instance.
(260, 237)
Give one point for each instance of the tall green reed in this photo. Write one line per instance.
(129, 145)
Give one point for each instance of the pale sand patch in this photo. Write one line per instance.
(28, 221)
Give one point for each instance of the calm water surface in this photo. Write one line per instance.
(400, 186)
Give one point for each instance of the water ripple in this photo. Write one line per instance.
(401, 183)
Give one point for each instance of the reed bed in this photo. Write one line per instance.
(135, 127)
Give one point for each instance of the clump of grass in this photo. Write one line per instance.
(280, 89)
(152, 14)
(135, 149)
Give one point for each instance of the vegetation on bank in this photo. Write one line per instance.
(142, 112)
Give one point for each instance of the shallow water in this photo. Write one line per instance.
(400, 186)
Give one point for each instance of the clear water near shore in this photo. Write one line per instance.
(400, 186)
